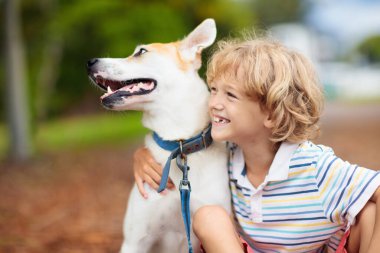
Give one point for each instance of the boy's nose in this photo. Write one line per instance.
(218, 107)
(214, 103)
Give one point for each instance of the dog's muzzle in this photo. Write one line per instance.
(116, 91)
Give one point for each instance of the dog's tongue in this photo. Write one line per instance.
(137, 87)
(129, 90)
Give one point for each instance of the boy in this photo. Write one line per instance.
(288, 194)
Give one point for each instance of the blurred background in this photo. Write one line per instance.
(65, 162)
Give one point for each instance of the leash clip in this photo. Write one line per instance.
(182, 165)
(184, 184)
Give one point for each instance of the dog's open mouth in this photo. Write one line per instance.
(127, 88)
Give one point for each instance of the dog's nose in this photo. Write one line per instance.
(92, 62)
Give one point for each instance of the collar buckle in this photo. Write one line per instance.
(180, 146)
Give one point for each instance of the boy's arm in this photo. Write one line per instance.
(147, 170)
(374, 245)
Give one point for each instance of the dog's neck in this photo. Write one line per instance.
(183, 115)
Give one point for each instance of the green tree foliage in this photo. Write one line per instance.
(270, 12)
(370, 48)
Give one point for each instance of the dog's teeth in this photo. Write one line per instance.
(109, 90)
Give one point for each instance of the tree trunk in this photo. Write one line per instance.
(15, 90)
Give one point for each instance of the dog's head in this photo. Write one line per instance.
(152, 72)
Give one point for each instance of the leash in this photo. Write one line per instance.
(184, 190)
(179, 151)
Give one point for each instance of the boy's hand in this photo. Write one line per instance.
(146, 169)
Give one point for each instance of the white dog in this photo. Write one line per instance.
(162, 81)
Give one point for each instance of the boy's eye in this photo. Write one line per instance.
(140, 52)
(231, 95)
(212, 89)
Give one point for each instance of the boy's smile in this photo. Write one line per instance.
(218, 120)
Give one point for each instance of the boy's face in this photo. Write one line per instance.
(236, 117)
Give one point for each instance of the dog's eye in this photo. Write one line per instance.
(140, 52)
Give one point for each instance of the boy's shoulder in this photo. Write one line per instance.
(309, 149)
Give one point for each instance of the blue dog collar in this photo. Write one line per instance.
(181, 147)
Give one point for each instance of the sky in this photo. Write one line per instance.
(349, 21)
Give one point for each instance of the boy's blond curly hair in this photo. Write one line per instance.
(283, 81)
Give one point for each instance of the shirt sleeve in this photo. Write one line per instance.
(344, 188)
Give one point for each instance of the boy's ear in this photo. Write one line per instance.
(201, 37)
(268, 122)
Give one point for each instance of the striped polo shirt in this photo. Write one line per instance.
(306, 202)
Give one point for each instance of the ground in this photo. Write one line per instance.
(74, 201)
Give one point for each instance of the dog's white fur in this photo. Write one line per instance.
(176, 109)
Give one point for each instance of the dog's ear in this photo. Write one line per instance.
(201, 37)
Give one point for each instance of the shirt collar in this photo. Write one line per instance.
(238, 167)
(278, 170)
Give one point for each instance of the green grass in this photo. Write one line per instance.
(82, 132)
